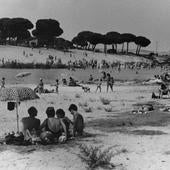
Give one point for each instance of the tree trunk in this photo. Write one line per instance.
(127, 48)
(122, 47)
(116, 48)
(139, 50)
(105, 48)
(94, 46)
(113, 47)
(88, 46)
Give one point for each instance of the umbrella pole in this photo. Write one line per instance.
(17, 116)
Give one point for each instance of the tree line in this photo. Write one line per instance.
(89, 40)
(19, 29)
(46, 31)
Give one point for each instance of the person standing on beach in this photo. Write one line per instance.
(41, 86)
(99, 86)
(109, 83)
(3, 82)
(57, 85)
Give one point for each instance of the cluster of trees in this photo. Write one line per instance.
(15, 29)
(47, 31)
(18, 29)
(89, 40)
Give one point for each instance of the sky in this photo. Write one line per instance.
(149, 18)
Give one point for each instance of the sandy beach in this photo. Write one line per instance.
(132, 146)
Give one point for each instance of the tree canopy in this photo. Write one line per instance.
(46, 30)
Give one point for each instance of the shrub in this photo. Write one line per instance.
(87, 109)
(85, 104)
(94, 157)
(77, 95)
(108, 109)
(99, 108)
(105, 101)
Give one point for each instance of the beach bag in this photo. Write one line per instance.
(46, 137)
(11, 106)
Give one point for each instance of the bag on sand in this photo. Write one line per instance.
(11, 106)
(46, 137)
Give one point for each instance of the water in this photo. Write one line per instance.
(49, 75)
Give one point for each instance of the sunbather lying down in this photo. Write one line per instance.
(36, 90)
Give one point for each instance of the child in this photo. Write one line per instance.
(78, 121)
(61, 115)
(99, 86)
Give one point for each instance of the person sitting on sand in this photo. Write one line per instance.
(163, 90)
(99, 86)
(72, 82)
(78, 121)
(91, 78)
(61, 115)
(53, 125)
(30, 123)
(64, 81)
(3, 82)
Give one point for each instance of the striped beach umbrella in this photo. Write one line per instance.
(17, 94)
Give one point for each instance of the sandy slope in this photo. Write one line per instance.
(33, 55)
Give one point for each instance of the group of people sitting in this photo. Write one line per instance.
(55, 128)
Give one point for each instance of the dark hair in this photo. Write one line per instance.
(60, 113)
(50, 111)
(108, 74)
(73, 107)
(32, 111)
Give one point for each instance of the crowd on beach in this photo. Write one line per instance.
(106, 77)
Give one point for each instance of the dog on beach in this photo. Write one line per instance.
(86, 89)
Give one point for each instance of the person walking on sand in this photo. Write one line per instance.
(108, 82)
(3, 82)
(111, 83)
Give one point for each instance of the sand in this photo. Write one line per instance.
(145, 152)
(138, 142)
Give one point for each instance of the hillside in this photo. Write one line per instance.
(28, 55)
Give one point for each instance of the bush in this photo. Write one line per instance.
(105, 101)
(77, 95)
(87, 109)
(94, 157)
(85, 104)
